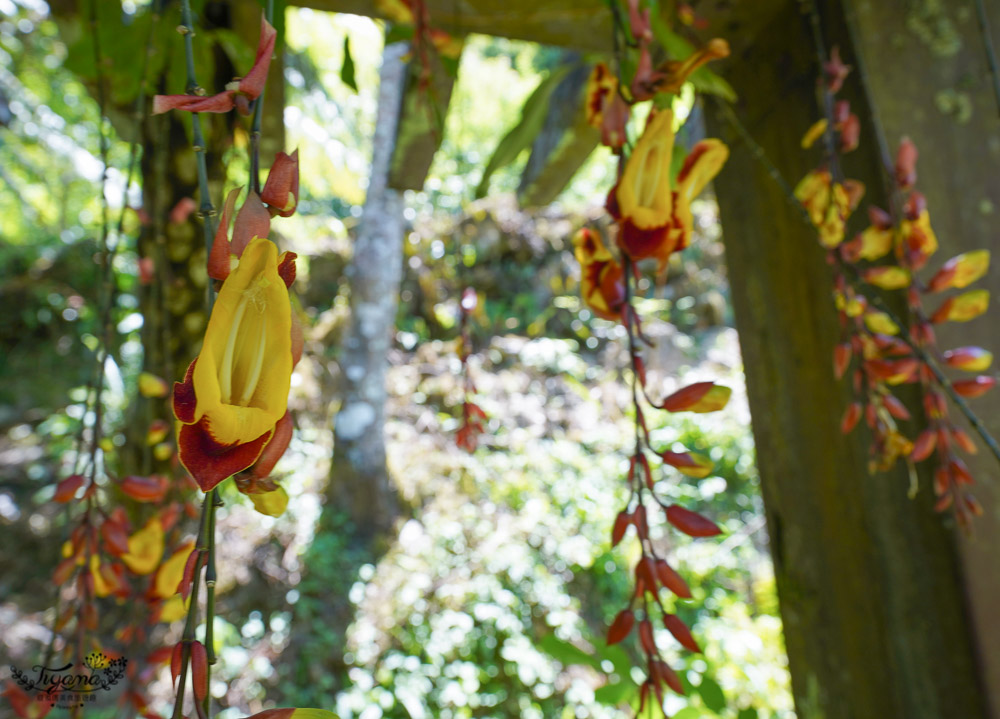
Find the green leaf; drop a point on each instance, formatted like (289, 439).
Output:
(617, 693)
(711, 694)
(567, 653)
(689, 713)
(399, 33)
(240, 50)
(748, 713)
(703, 79)
(524, 132)
(347, 69)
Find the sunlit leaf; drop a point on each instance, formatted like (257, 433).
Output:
(524, 132)
(347, 68)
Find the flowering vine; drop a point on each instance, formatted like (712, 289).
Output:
(651, 219)
(232, 404)
(884, 351)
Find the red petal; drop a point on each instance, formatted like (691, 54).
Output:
(187, 578)
(66, 489)
(184, 399)
(687, 397)
(199, 670)
(175, 661)
(210, 462)
(672, 580)
(253, 220)
(275, 448)
(286, 270)
(253, 83)
(281, 191)
(975, 387)
(115, 537)
(670, 677)
(622, 522)
(223, 102)
(924, 446)
(218, 260)
(691, 523)
(681, 632)
(646, 637)
(146, 489)
(621, 626)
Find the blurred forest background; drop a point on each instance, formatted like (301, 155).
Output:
(494, 594)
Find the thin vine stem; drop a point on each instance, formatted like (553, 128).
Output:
(991, 55)
(258, 112)
(206, 208)
(192, 616)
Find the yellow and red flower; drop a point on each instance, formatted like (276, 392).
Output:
(829, 204)
(602, 278)
(605, 108)
(655, 217)
(236, 391)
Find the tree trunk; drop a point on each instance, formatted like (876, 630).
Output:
(360, 480)
(869, 583)
(361, 503)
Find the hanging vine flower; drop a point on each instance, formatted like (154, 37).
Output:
(654, 216)
(239, 93)
(236, 391)
(602, 279)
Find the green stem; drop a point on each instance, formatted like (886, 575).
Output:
(206, 209)
(214, 502)
(192, 615)
(258, 112)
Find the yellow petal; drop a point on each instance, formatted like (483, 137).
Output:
(888, 278)
(145, 548)
(101, 587)
(644, 193)
(702, 468)
(919, 234)
(704, 163)
(273, 504)
(174, 608)
(243, 373)
(813, 134)
(969, 267)
(171, 571)
(964, 307)
(875, 243)
(880, 322)
(152, 386)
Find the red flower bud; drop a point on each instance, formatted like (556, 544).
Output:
(281, 191)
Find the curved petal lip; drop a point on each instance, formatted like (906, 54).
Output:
(210, 462)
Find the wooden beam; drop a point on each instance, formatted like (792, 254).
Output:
(582, 24)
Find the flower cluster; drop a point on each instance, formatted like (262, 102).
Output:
(887, 354)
